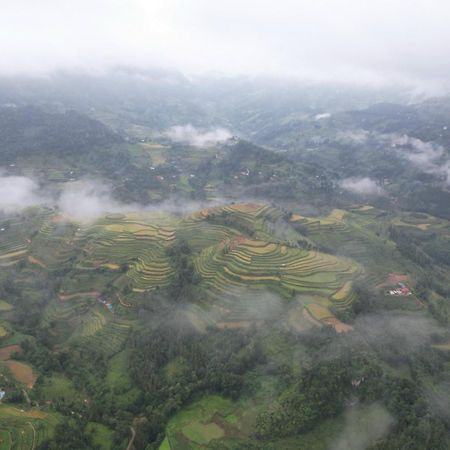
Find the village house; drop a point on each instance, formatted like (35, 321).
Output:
(400, 290)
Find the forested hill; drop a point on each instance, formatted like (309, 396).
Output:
(428, 121)
(29, 130)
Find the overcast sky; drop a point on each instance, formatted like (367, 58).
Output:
(353, 40)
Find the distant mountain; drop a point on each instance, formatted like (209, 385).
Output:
(30, 130)
(428, 121)
(156, 99)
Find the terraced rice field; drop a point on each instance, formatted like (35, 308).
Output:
(92, 324)
(52, 248)
(24, 429)
(13, 245)
(258, 263)
(113, 242)
(72, 310)
(234, 252)
(351, 234)
(109, 339)
(242, 216)
(343, 297)
(200, 234)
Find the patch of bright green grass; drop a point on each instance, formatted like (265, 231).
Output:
(165, 445)
(102, 435)
(119, 379)
(201, 433)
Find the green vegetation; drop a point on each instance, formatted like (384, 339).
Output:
(235, 325)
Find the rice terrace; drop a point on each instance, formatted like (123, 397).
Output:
(121, 256)
(242, 277)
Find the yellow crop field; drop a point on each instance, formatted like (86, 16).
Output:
(252, 277)
(111, 266)
(343, 292)
(13, 254)
(318, 312)
(130, 228)
(5, 306)
(296, 217)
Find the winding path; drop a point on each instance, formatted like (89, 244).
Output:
(133, 435)
(78, 294)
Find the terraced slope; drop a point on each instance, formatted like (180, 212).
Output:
(106, 265)
(256, 262)
(25, 429)
(353, 234)
(136, 246)
(13, 245)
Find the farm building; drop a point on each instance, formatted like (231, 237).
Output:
(401, 291)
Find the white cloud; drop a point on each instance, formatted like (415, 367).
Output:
(321, 116)
(353, 40)
(86, 200)
(18, 193)
(362, 186)
(190, 135)
(363, 427)
(355, 137)
(83, 200)
(426, 156)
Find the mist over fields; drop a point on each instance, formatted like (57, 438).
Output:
(225, 225)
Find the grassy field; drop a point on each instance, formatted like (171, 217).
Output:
(215, 419)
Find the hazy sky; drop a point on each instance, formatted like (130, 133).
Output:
(354, 40)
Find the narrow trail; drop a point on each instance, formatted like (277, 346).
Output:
(78, 294)
(123, 302)
(27, 398)
(133, 435)
(34, 260)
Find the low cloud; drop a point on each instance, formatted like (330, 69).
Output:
(361, 186)
(426, 156)
(87, 200)
(398, 334)
(395, 337)
(353, 137)
(18, 193)
(437, 396)
(83, 200)
(190, 135)
(320, 116)
(363, 428)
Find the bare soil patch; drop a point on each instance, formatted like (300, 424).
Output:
(6, 352)
(340, 327)
(22, 372)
